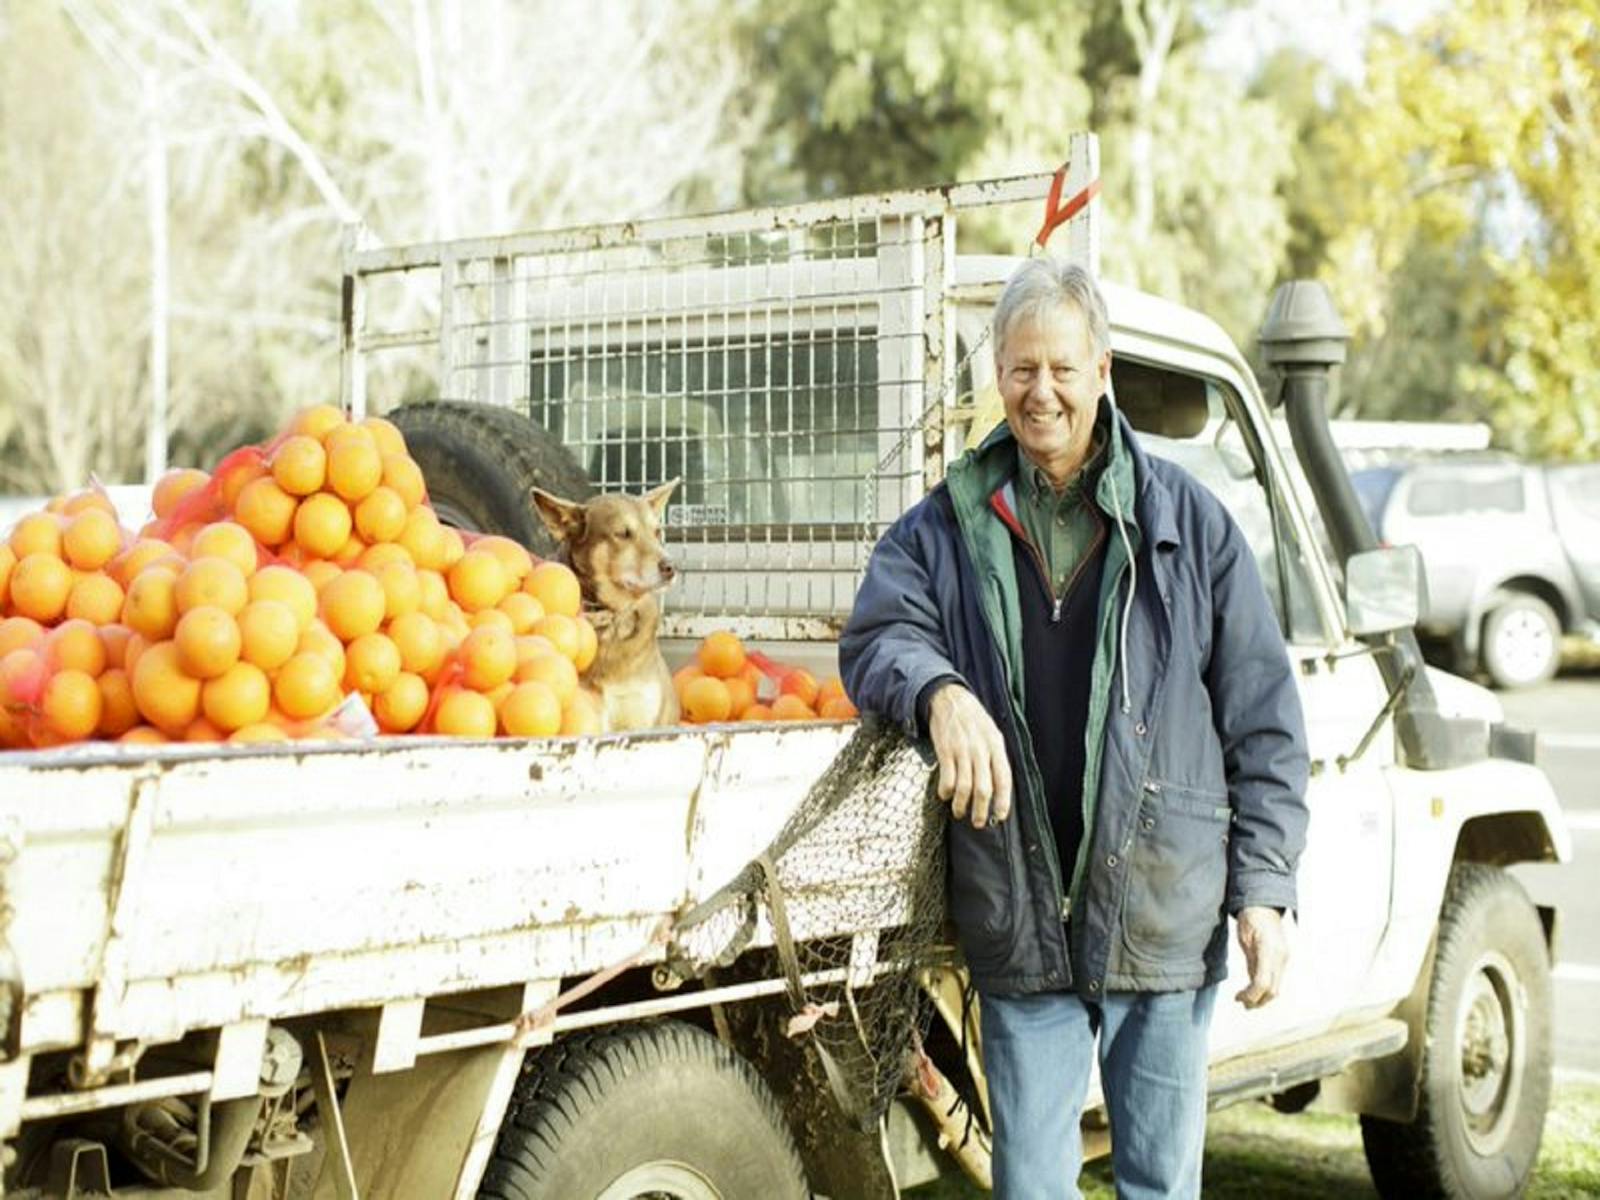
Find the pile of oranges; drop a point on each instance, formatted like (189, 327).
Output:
(263, 595)
(724, 683)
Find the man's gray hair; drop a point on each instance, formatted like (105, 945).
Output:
(1040, 284)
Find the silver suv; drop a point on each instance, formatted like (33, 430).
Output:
(1512, 552)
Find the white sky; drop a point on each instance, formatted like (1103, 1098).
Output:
(1336, 30)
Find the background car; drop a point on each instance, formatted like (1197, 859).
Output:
(1512, 553)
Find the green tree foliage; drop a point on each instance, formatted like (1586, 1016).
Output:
(1458, 215)
(864, 98)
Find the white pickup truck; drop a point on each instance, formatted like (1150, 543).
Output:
(418, 968)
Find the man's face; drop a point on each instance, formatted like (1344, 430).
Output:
(1051, 381)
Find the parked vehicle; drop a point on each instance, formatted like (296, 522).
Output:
(228, 959)
(1511, 550)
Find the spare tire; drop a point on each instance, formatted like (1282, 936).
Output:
(479, 462)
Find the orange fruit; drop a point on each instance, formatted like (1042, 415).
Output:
(722, 654)
(137, 645)
(317, 420)
(8, 559)
(115, 639)
(232, 482)
(740, 696)
(831, 688)
(87, 499)
(300, 465)
(684, 676)
(400, 706)
(70, 707)
(581, 716)
(423, 536)
(552, 670)
(144, 735)
(75, 645)
(118, 712)
(91, 539)
(40, 586)
(266, 511)
(489, 656)
(20, 633)
(151, 607)
(420, 643)
(402, 593)
(208, 641)
(531, 645)
(523, 610)
(322, 525)
(463, 712)
(385, 435)
(381, 517)
(801, 684)
(214, 581)
(402, 475)
(837, 708)
(240, 696)
(435, 593)
(562, 632)
(372, 664)
(347, 554)
(352, 605)
(554, 585)
(381, 554)
(531, 710)
(228, 540)
(454, 547)
(289, 588)
(269, 634)
(706, 699)
(789, 707)
(307, 686)
(757, 712)
(125, 567)
(36, 533)
(320, 572)
(167, 696)
(492, 616)
(202, 730)
(316, 638)
(95, 598)
(478, 581)
(588, 645)
(261, 731)
(355, 467)
(173, 486)
(513, 556)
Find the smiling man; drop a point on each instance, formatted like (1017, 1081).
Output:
(1081, 632)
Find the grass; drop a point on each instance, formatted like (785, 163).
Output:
(1254, 1153)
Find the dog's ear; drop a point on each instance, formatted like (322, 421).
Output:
(562, 518)
(657, 497)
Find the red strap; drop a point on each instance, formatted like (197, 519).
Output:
(1054, 216)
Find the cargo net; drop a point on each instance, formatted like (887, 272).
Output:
(852, 892)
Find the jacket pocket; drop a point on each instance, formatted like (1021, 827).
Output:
(1177, 874)
(983, 894)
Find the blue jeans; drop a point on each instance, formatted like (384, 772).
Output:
(1037, 1051)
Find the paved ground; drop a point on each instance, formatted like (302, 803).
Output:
(1566, 714)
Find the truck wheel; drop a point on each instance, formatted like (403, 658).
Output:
(1485, 1064)
(479, 462)
(1521, 641)
(661, 1111)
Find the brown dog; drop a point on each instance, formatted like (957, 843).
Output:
(613, 543)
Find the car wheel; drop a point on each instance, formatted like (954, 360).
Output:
(1521, 641)
(645, 1112)
(1486, 1061)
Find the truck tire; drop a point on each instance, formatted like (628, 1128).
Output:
(661, 1110)
(480, 461)
(1485, 1068)
(1521, 641)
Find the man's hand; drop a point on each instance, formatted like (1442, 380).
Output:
(1266, 953)
(973, 768)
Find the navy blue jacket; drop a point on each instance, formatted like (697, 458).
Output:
(1194, 792)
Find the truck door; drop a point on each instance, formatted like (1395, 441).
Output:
(1345, 873)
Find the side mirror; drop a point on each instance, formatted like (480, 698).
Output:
(1385, 590)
